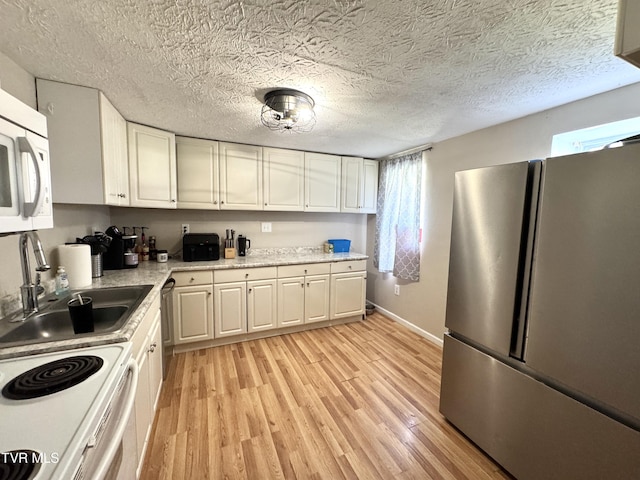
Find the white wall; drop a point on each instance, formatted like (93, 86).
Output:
(423, 303)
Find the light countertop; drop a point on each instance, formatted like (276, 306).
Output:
(153, 273)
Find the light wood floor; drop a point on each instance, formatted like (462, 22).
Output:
(356, 401)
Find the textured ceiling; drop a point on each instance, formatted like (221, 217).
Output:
(385, 75)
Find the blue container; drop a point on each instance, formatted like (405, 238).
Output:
(340, 245)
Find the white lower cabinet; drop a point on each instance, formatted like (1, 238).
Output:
(230, 300)
(210, 305)
(290, 301)
(316, 298)
(192, 313)
(261, 305)
(303, 294)
(192, 306)
(147, 350)
(348, 288)
(245, 300)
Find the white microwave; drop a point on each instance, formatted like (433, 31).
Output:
(25, 171)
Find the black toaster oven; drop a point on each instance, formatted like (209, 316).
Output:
(197, 247)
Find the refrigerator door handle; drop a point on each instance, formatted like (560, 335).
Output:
(534, 187)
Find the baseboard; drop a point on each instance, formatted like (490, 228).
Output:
(409, 325)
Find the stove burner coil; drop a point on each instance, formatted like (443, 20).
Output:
(52, 377)
(18, 465)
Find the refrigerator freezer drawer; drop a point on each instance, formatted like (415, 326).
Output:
(532, 430)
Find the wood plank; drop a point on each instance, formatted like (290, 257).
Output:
(354, 401)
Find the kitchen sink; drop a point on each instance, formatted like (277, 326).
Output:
(112, 307)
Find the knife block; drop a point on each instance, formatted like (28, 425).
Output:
(230, 252)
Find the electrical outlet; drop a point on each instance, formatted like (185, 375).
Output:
(266, 227)
(185, 228)
(396, 289)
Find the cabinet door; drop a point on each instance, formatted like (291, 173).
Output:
(192, 314)
(261, 305)
(322, 182)
(347, 294)
(152, 167)
(230, 308)
(155, 363)
(283, 172)
(142, 403)
(369, 197)
(240, 177)
(290, 301)
(316, 298)
(352, 188)
(115, 162)
(73, 125)
(198, 165)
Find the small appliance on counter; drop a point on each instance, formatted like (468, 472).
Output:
(198, 247)
(120, 252)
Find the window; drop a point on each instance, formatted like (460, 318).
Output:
(397, 240)
(593, 138)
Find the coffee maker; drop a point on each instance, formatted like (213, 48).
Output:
(120, 253)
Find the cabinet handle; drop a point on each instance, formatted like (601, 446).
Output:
(266, 204)
(302, 284)
(222, 202)
(192, 279)
(173, 200)
(152, 348)
(208, 294)
(305, 271)
(307, 284)
(349, 267)
(215, 202)
(246, 275)
(250, 290)
(124, 195)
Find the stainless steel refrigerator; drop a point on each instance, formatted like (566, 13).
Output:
(541, 362)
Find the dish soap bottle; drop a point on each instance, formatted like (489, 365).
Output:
(62, 282)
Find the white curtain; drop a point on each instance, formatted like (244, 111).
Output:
(397, 241)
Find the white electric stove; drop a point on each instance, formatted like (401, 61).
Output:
(61, 413)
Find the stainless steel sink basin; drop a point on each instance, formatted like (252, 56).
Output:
(56, 325)
(112, 307)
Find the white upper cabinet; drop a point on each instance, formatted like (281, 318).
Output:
(322, 182)
(240, 177)
(87, 140)
(352, 181)
(369, 195)
(115, 160)
(359, 185)
(152, 167)
(198, 166)
(283, 172)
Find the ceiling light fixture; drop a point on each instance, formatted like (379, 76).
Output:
(287, 110)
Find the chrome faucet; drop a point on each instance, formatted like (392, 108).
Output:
(30, 290)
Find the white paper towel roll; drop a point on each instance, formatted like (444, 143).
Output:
(76, 260)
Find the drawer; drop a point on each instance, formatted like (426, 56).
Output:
(140, 335)
(195, 277)
(304, 269)
(240, 274)
(348, 266)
